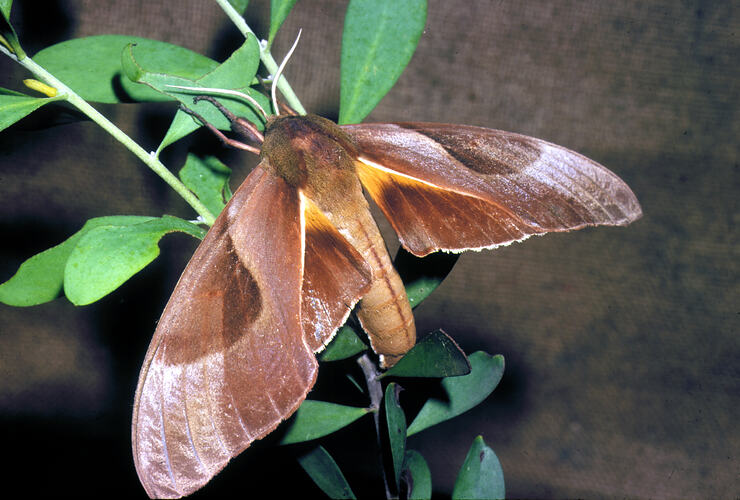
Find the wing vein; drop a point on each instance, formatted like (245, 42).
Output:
(204, 366)
(190, 434)
(163, 435)
(564, 168)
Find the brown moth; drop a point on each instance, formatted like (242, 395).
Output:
(296, 248)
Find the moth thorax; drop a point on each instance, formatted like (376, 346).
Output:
(311, 153)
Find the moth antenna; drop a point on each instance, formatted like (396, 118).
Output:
(279, 72)
(234, 93)
(266, 84)
(238, 124)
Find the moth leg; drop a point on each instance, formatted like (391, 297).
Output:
(239, 125)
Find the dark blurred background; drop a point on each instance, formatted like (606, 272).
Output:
(621, 344)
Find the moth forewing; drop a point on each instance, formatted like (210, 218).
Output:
(455, 187)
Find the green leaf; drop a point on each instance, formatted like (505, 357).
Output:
(236, 73)
(183, 123)
(40, 278)
(344, 345)
(238, 70)
(421, 275)
(208, 178)
(106, 256)
(379, 38)
(279, 10)
(417, 476)
(239, 5)
(435, 355)
(92, 66)
(322, 468)
(481, 476)
(315, 419)
(5, 6)
(396, 421)
(355, 383)
(461, 393)
(4, 91)
(15, 107)
(8, 36)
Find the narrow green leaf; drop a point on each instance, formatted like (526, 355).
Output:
(355, 383)
(344, 345)
(461, 393)
(4, 91)
(315, 419)
(417, 476)
(15, 107)
(8, 35)
(435, 355)
(396, 421)
(239, 5)
(106, 256)
(5, 6)
(92, 66)
(279, 10)
(208, 178)
(40, 278)
(322, 468)
(481, 475)
(421, 275)
(379, 38)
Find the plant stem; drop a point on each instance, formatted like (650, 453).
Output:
(151, 161)
(265, 56)
(375, 390)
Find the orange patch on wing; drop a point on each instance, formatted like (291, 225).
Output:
(428, 218)
(335, 277)
(316, 221)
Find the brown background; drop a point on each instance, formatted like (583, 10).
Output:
(621, 343)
